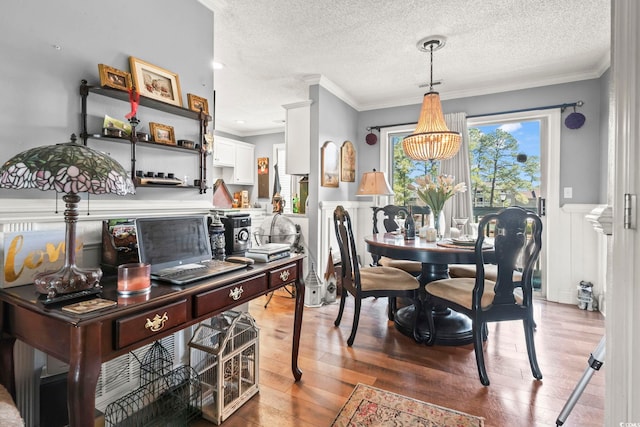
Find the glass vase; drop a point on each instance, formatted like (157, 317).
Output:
(439, 224)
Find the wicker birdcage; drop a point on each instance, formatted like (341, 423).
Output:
(225, 354)
(166, 397)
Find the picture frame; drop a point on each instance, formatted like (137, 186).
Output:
(330, 167)
(347, 162)
(162, 134)
(154, 82)
(114, 78)
(196, 102)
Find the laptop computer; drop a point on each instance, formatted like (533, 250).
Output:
(178, 249)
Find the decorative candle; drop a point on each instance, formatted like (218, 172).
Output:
(431, 234)
(134, 278)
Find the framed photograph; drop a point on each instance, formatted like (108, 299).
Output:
(330, 167)
(197, 103)
(162, 134)
(112, 77)
(347, 162)
(155, 82)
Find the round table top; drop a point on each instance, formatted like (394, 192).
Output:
(444, 252)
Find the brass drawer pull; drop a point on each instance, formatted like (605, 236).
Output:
(157, 323)
(236, 293)
(284, 275)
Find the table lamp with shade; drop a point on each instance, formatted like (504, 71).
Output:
(68, 168)
(374, 184)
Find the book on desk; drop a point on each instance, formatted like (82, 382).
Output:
(269, 252)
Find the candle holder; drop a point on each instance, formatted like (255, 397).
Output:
(134, 278)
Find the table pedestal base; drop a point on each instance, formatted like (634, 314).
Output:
(453, 328)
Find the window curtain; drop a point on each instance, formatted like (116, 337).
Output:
(460, 205)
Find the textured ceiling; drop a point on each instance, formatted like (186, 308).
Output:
(365, 51)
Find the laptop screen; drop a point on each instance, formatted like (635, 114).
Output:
(166, 242)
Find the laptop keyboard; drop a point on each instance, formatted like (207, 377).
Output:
(184, 270)
(194, 271)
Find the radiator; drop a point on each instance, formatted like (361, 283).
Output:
(117, 377)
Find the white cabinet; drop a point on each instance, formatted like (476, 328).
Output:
(297, 137)
(224, 152)
(237, 160)
(245, 164)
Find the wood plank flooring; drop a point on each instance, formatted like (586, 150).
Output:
(446, 376)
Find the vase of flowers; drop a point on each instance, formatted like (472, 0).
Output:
(435, 192)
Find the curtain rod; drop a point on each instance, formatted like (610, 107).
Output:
(548, 107)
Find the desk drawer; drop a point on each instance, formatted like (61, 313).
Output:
(283, 275)
(230, 294)
(142, 326)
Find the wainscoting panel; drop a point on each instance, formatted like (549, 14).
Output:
(574, 255)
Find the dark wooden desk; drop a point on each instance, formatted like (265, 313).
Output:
(453, 328)
(86, 341)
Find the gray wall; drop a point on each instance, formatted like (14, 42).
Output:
(583, 152)
(40, 102)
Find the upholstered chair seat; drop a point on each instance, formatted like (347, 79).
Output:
(386, 278)
(460, 291)
(411, 267)
(9, 414)
(490, 272)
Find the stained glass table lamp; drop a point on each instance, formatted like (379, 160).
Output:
(68, 168)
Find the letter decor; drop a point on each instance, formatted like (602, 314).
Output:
(27, 253)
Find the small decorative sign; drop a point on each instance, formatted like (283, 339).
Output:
(263, 177)
(347, 162)
(27, 253)
(330, 168)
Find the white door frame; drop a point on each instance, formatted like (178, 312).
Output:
(550, 130)
(622, 379)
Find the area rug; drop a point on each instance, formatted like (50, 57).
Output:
(370, 406)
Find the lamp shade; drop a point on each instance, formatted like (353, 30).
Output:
(431, 140)
(66, 168)
(374, 184)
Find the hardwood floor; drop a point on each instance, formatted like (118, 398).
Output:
(446, 376)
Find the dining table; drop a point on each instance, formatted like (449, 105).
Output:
(452, 328)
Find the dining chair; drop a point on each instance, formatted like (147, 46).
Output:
(367, 282)
(389, 215)
(518, 232)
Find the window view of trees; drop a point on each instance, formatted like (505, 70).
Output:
(501, 173)
(504, 161)
(405, 172)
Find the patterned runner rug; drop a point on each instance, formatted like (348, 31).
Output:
(370, 406)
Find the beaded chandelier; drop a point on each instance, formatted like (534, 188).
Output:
(432, 139)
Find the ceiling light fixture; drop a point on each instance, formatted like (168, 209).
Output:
(432, 139)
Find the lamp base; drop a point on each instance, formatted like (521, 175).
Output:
(68, 279)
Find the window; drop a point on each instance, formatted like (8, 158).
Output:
(405, 170)
(505, 164)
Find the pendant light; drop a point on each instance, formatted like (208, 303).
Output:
(432, 139)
